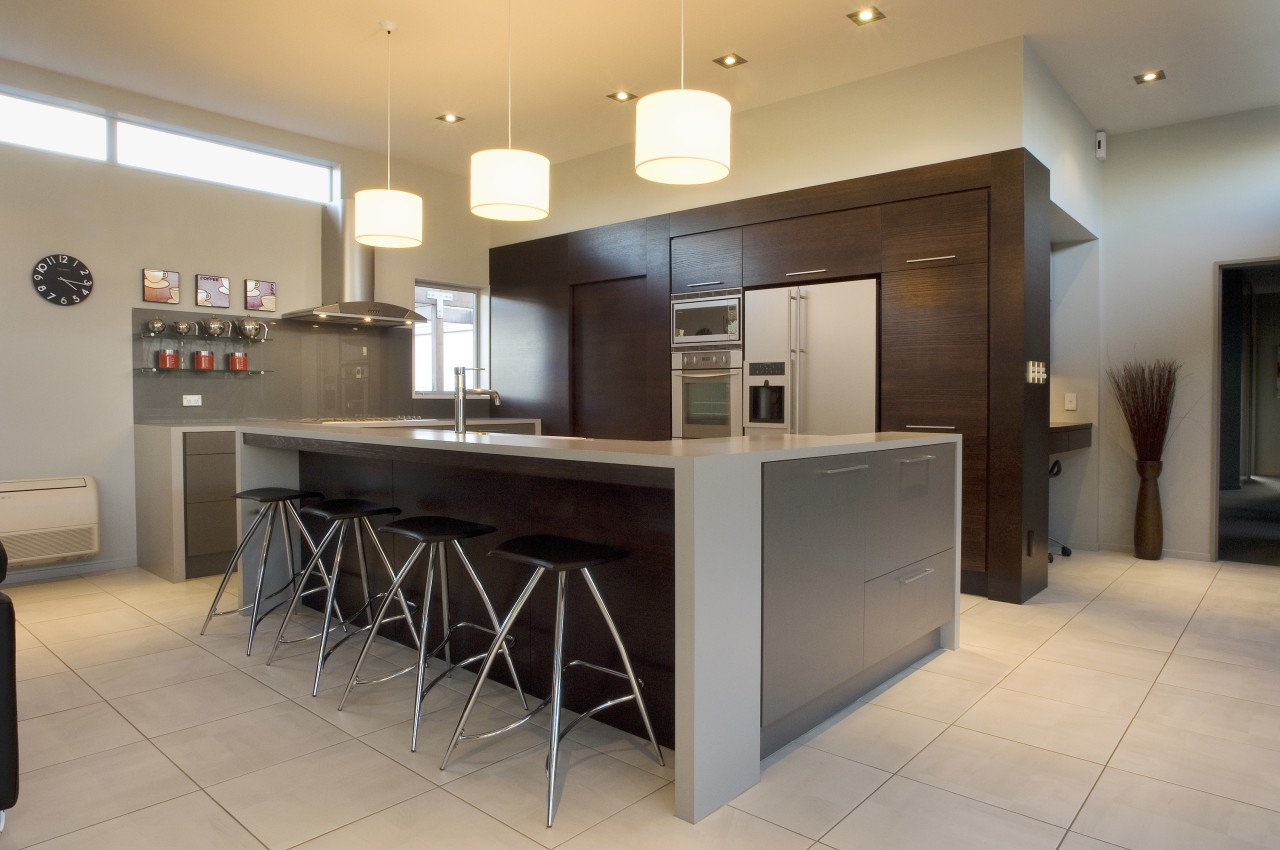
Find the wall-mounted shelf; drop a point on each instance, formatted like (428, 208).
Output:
(152, 370)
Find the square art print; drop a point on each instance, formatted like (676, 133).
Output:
(260, 295)
(213, 291)
(161, 287)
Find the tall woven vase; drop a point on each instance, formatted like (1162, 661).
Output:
(1148, 522)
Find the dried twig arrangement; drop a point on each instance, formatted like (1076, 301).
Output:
(1145, 392)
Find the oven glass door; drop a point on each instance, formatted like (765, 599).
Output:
(705, 321)
(707, 404)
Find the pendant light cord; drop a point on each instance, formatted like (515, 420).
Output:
(389, 109)
(508, 74)
(682, 45)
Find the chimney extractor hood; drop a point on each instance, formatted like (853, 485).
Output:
(346, 280)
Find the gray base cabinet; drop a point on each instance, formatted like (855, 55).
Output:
(858, 575)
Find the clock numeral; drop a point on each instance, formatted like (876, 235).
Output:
(41, 288)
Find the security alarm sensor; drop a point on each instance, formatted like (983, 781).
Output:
(1100, 146)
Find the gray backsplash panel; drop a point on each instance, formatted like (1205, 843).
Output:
(307, 372)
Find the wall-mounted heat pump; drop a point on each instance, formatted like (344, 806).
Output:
(43, 520)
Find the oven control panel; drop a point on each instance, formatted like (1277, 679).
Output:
(706, 360)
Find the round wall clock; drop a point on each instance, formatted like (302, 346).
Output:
(62, 279)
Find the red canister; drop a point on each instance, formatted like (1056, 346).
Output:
(167, 358)
(202, 360)
(237, 361)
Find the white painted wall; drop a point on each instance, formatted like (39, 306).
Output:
(65, 372)
(963, 105)
(1177, 201)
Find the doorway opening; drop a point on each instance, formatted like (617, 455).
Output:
(1249, 424)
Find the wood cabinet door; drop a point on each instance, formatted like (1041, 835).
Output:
(935, 231)
(706, 261)
(829, 246)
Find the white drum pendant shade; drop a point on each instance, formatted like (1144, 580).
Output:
(388, 218)
(510, 185)
(682, 136)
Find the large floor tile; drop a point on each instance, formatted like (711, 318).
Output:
(937, 697)
(1250, 653)
(1244, 721)
(65, 797)
(977, 664)
(876, 736)
(148, 672)
(1028, 780)
(986, 633)
(1076, 841)
(103, 649)
(907, 815)
(1110, 627)
(126, 578)
(35, 592)
(631, 749)
(36, 662)
(66, 735)
(1145, 814)
(89, 625)
(1207, 763)
(595, 787)
(72, 606)
(1121, 659)
(1109, 692)
(23, 639)
(191, 822)
(294, 674)
(1217, 677)
(1073, 730)
(809, 791)
(651, 823)
(49, 694)
(306, 797)
(435, 820)
(224, 749)
(193, 703)
(376, 707)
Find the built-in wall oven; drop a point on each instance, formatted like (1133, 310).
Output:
(707, 319)
(706, 393)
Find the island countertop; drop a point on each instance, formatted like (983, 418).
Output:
(710, 519)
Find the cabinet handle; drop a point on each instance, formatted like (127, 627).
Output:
(841, 469)
(921, 459)
(707, 283)
(917, 576)
(809, 271)
(932, 259)
(928, 427)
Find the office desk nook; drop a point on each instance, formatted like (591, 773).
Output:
(770, 580)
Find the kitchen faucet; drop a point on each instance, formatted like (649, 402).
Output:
(460, 397)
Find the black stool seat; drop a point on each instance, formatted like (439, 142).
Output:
(332, 510)
(551, 552)
(436, 529)
(277, 494)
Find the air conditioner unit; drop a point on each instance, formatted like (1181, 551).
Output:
(43, 520)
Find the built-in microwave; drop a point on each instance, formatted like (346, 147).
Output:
(707, 319)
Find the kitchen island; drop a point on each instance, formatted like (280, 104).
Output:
(692, 513)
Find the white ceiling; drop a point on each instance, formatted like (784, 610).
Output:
(318, 67)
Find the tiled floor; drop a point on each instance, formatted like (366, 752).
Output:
(1133, 704)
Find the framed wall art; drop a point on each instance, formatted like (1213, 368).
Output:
(213, 291)
(161, 287)
(260, 295)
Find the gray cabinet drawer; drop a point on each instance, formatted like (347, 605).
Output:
(908, 603)
(209, 478)
(913, 513)
(210, 442)
(211, 527)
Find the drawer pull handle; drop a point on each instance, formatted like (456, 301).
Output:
(921, 459)
(917, 576)
(928, 427)
(841, 469)
(808, 271)
(708, 283)
(933, 259)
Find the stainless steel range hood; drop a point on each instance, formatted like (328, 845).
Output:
(346, 279)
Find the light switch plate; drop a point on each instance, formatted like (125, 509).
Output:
(192, 400)
(1070, 402)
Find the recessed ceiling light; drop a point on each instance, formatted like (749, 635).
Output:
(1149, 77)
(729, 60)
(450, 118)
(869, 15)
(621, 96)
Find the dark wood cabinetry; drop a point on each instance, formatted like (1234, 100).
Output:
(812, 248)
(703, 261)
(940, 230)
(208, 495)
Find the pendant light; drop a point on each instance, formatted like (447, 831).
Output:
(509, 184)
(682, 135)
(388, 218)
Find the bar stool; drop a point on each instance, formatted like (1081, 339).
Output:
(344, 516)
(277, 502)
(560, 555)
(433, 533)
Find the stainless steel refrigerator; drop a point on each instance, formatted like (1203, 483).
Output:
(809, 359)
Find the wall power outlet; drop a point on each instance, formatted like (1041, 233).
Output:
(192, 400)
